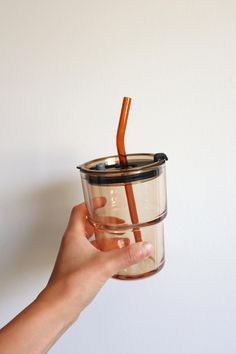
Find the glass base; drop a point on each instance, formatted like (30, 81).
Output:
(139, 276)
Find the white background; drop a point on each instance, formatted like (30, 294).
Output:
(64, 68)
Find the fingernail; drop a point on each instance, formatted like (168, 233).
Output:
(147, 248)
(121, 243)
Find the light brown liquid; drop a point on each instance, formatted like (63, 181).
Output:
(124, 164)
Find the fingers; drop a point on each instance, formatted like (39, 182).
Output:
(79, 225)
(108, 244)
(99, 202)
(109, 220)
(119, 259)
(78, 218)
(89, 229)
(105, 220)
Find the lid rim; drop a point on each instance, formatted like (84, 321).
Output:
(151, 165)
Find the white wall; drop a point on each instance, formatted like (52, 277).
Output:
(64, 68)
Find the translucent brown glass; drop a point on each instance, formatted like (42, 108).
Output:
(105, 178)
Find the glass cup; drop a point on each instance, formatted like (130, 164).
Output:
(105, 178)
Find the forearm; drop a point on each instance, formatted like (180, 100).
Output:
(36, 328)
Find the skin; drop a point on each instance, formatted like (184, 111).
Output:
(79, 273)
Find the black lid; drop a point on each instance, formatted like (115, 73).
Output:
(108, 170)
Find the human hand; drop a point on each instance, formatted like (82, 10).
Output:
(79, 272)
(81, 269)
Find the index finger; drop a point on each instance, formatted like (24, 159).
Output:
(79, 213)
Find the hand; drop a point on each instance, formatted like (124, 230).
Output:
(81, 268)
(79, 272)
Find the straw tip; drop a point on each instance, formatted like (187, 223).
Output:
(127, 98)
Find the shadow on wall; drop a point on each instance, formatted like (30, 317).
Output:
(33, 242)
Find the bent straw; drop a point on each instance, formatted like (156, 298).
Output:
(120, 143)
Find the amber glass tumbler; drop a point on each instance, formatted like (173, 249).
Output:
(105, 178)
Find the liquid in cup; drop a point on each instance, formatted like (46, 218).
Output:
(105, 178)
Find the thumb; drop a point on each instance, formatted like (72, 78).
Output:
(125, 257)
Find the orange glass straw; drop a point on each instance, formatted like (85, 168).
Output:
(120, 143)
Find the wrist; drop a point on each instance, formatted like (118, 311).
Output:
(58, 298)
